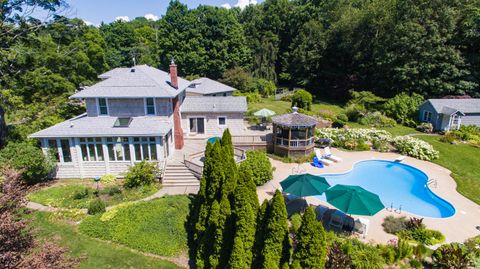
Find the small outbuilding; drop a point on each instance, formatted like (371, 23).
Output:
(450, 114)
(293, 134)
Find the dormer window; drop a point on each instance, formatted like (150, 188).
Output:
(102, 106)
(149, 106)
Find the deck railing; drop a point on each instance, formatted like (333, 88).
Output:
(197, 169)
(294, 143)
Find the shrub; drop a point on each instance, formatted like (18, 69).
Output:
(403, 250)
(340, 121)
(415, 148)
(416, 264)
(258, 163)
(266, 87)
(388, 254)
(112, 190)
(337, 258)
(366, 99)
(451, 256)
(80, 194)
(377, 119)
(367, 258)
(380, 145)
(354, 112)
(96, 206)
(108, 179)
(302, 99)
(415, 223)
(239, 79)
(423, 236)
(142, 173)
(403, 107)
(35, 166)
(296, 222)
(287, 97)
(394, 225)
(425, 127)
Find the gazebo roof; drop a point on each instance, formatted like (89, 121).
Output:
(294, 120)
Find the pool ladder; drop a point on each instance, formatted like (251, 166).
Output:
(432, 182)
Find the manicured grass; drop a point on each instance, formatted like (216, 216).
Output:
(64, 195)
(97, 254)
(281, 107)
(396, 131)
(155, 226)
(464, 162)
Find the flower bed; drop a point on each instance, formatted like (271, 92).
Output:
(365, 139)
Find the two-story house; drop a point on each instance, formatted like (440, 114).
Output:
(132, 114)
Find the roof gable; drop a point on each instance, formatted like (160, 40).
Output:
(208, 86)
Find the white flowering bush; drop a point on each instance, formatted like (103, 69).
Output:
(364, 139)
(415, 147)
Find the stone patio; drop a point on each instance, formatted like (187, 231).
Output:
(457, 228)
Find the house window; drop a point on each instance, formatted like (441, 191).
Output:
(224, 94)
(102, 106)
(118, 149)
(145, 148)
(60, 149)
(92, 149)
(427, 116)
(149, 106)
(197, 125)
(222, 121)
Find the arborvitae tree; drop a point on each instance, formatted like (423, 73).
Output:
(260, 234)
(246, 205)
(221, 244)
(230, 165)
(206, 242)
(201, 208)
(275, 230)
(311, 249)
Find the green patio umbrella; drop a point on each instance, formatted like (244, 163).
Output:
(354, 200)
(264, 113)
(304, 185)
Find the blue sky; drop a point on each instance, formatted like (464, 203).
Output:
(96, 11)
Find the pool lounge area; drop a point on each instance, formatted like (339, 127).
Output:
(441, 206)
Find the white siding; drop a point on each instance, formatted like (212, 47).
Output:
(234, 123)
(471, 119)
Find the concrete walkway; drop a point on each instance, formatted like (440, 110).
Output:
(457, 228)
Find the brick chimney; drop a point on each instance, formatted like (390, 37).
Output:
(177, 118)
(173, 74)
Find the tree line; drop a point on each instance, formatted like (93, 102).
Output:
(327, 47)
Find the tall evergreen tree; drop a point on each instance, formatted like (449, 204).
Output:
(311, 250)
(275, 231)
(260, 234)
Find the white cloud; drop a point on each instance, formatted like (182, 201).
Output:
(227, 6)
(243, 3)
(151, 17)
(122, 18)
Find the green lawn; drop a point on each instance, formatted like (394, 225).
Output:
(281, 107)
(97, 254)
(63, 195)
(156, 226)
(464, 162)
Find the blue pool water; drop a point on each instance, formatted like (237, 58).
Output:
(396, 183)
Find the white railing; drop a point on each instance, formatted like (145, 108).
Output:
(197, 169)
(296, 143)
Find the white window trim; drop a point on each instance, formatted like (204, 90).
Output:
(204, 124)
(218, 121)
(115, 157)
(60, 150)
(149, 146)
(87, 143)
(145, 106)
(98, 107)
(426, 115)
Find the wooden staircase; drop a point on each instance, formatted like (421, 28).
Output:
(178, 175)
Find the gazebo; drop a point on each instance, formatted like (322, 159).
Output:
(293, 134)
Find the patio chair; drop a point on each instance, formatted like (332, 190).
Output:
(316, 163)
(298, 205)
(337, 219)
(349, 224)
(321, 159)
(361, 226)
(329, 155)
(320, 212)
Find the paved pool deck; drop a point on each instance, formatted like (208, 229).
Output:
(457, 228)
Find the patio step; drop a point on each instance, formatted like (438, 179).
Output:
(177, 174)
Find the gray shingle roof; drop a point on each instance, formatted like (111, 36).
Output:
(215, 104)
(84, 126)
(294, 119)
(146, 81)
(462, 105)
(208, 86)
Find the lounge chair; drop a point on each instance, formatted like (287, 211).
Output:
(320, 212)
(321, 158)
(298, 205)
(400, 159)
(316, 163)
(336, 221)
(349, 224)
(329, 155)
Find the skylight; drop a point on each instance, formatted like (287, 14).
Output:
(122, 122)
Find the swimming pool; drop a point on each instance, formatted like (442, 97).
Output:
(397, 183)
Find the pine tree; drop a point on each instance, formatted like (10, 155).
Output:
(311, 249)
(275, 231)
(245, 221)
